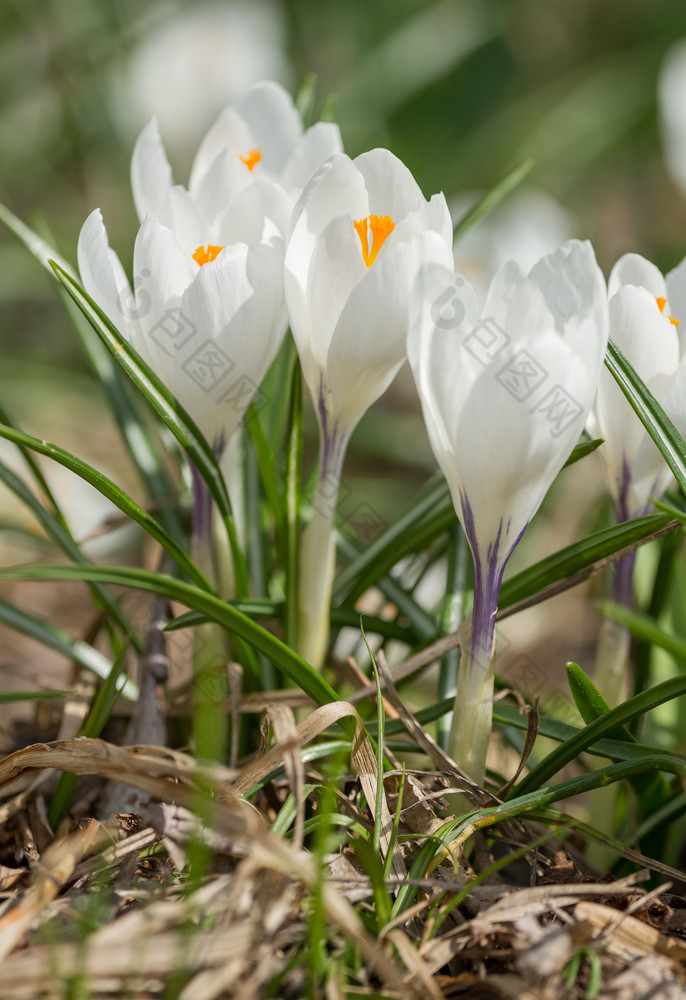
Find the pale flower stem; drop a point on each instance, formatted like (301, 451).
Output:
(318, 555)
(473, 714)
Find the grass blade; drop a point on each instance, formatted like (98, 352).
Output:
(169, 410)
(661, 429)
(216, 610)
(572, 564)
(114, 494)
(512, 179)
(55, 530)
(586, 737)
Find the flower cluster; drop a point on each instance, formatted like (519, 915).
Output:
(279, 227)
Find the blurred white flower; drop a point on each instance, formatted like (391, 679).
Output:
(252, 162)
(646, 314)
(193, 61)
(359, 234)
(671, 95)
(505, 393)
(524, 227)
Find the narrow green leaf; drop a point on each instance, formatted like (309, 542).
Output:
(370, 860)
(169, 410)
(520, 805)
(619, 716)
(590, 701)
(293, 479)
(267, 465)
(512, 179)
(9, 697)
(264, 608)
(380, 720)
(661, 429)
(581, 450)
(59, 640)
(114, 494)
(55, 530)
(618, 750)
(134, 433)
(412, 531)
(644, 627)
(300, 672)
(593, 551)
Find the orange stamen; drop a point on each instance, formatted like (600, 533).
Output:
(661, 303)
(203, 255)
(381, 227)
(251, 158)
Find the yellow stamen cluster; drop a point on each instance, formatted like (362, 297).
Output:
(661, 303)
(251, 158)
(203, 255)
(381, 227)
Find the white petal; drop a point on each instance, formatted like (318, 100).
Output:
(570, 280)
(245, 218)
(649, 342)
(516, 303)
(575, 292)
(233, 304)
(443, 315)
(180, 214)
(503, 407)
(369, 342)
(151, 175)
(432, 215)
(274, 121)
(218, 186)
(511, 449)
(391, 188)
(162, 272)
(336, 189)
(336, 267)
(230, 133)
(102, 275)
(632, 269)
(319, 143)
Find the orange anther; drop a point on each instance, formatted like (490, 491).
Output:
(203, 255)
(661, 303)
(381, 227)
(251, 158)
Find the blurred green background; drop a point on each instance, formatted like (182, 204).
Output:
(460, 90)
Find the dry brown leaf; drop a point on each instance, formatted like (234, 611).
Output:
(49, 875)
(286, 735)
(169, 775)
(629, 937)
(362, 756)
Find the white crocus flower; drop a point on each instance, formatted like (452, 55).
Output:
(209, 323)
(258, 142)
(359, 234)
(645, 315)
(505, 397)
